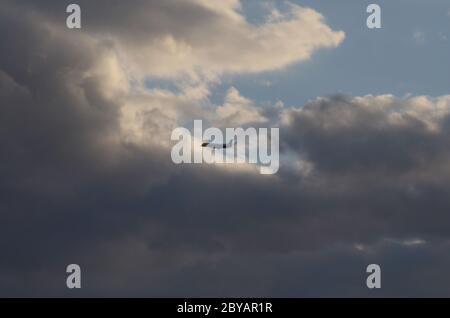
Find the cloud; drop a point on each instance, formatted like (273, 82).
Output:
(238, 111)
(86, 174)
(192, 38)
(373, 134)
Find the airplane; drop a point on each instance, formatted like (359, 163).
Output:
(217, 146)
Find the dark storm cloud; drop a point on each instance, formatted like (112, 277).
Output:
(340, 135)
(73, 191)
(58, 161)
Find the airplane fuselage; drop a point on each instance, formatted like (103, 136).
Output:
(215, 146)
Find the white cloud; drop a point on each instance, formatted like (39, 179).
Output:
(395, 111)
(191, 43)
(414, 242)
(198, 39)
(238, 111)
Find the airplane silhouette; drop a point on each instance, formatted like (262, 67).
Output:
(217, 146)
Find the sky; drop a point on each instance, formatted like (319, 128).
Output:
(86, 117)
(390, 60)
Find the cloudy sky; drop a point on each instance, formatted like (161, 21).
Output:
(86, 175)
